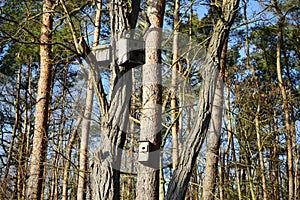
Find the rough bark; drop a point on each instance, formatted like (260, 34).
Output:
(182, 174)
(148, 175)
(41, 115)
(213, 138)
(114, 117)
(106, 160)
(213, 142)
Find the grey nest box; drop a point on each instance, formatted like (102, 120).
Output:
(103, 54)
(130, 52)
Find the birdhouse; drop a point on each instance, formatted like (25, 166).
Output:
(144, 151)
(130, 52)
(103, 54)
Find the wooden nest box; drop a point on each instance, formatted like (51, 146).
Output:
(144, 152)
(103, 54)
(130, 52)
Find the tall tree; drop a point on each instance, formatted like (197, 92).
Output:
(214, 133)
(148, 176)
(178, 184)
(115, 115)
(83, 158)
(290, 168)
(43, 98)
(175, 68)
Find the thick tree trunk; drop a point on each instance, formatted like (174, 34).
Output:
(114, 118)
(148, 175)
(107, 159)
(182, 174)
(213, 138)
(41, 115)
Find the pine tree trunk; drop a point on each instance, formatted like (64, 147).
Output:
(41, 114)
(148, 175)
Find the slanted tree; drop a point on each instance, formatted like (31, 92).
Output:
(182, 174)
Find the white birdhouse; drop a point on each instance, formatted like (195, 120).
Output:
(103, 54)
(144, 151)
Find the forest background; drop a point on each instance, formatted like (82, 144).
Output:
(218, 104)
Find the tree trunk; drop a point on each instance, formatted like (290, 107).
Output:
(260, 153)
(23, 151)
(275, 157)
(286, 110)
(213, 139)
(179, 182)
(148, 175)
(83, 158)
(106, 160)
(28, 133)
(43, 97)
(231, 141)
(85, 129)
(174, 104)
(114, 118)
(68, 159)
(213, 142)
